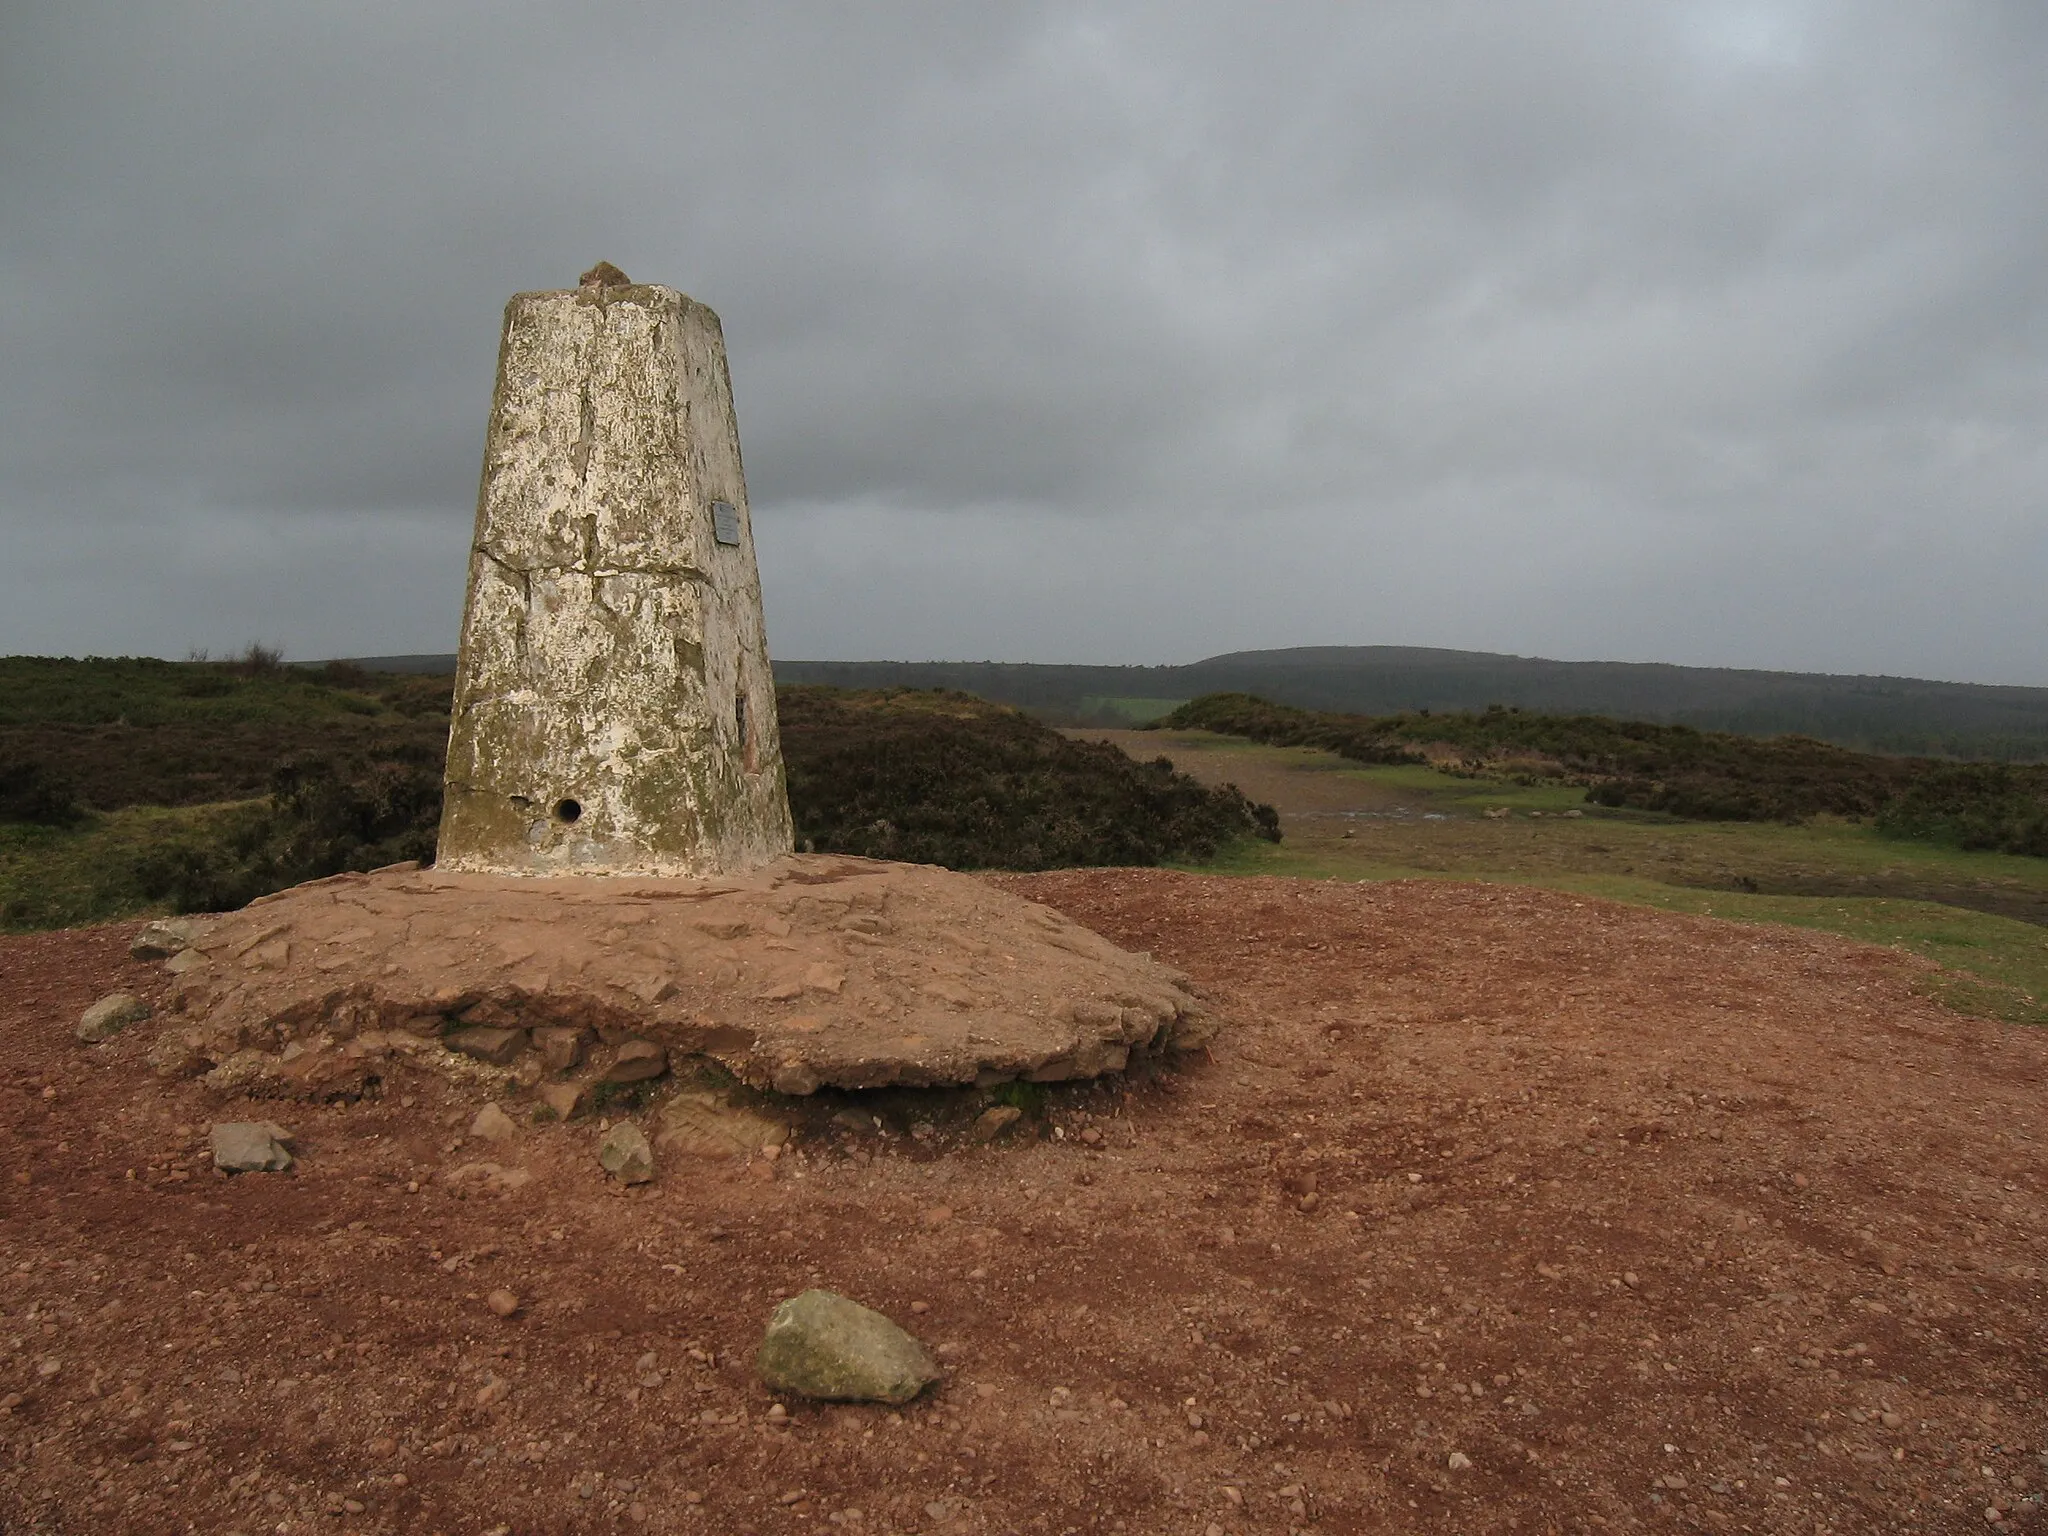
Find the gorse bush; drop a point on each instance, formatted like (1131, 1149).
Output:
(31, 793)
(318, 821)
(1973, 805)
(933, 777)
(137, 731)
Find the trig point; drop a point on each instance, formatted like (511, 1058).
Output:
(614, 712)
(615, 721)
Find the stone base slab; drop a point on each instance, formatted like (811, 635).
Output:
(813, 971)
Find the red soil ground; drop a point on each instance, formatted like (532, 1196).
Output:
(1495, 1210)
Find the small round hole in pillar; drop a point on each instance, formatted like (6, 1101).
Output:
(567, 811)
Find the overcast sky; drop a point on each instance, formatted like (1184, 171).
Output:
(1685, 331)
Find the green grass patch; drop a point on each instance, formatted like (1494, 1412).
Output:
(1133, 711)
(1017, 1094)
(65, 877)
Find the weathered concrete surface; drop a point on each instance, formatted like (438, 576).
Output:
(810, 972)
(613, 706)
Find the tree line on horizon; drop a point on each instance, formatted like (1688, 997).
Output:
(1904, 716)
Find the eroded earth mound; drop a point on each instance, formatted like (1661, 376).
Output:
(812, 972)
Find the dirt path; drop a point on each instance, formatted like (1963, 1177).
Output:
(1499, 1210)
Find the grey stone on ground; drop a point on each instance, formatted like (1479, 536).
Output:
(822, 1345)
(243, 1146)
(164, 938)
(109, 1016)
(625, 1154)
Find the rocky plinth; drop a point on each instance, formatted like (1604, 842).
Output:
(813, 971)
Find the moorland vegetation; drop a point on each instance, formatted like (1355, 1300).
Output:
(199, 786)
(1674, 769)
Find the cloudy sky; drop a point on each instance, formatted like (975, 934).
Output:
(1691, 331)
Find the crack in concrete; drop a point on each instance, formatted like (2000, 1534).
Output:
(589, 567)
(586, 436)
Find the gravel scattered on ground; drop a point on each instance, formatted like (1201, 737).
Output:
(1655, 1221)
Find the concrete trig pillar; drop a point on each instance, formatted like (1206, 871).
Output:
(614, 712)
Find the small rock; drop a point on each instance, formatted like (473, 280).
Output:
(823, 1345)
(561, 1049)
(1459, 1462)
(109, 1016)
(991, 1123)
(250, 1147)
(795, 1078)
(492, 1124)
(567, 1100)
(625, 1154)
(492, 1177)
(164, 938)
(702, 1125)
(175, 1055)
(502, 1302)
(185, 960)
(637, 1061)
(496, 1046)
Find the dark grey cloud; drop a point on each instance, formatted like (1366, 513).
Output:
(1712, 333)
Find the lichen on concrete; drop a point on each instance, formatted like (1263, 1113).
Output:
(614, 710)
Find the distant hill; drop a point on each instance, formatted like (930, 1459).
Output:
(1875, 714)
(421, 666)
